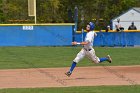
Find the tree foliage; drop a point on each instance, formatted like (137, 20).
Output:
(62, 11)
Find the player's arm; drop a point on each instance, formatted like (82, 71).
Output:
(80, 43)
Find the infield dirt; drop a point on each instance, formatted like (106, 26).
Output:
(82, 76)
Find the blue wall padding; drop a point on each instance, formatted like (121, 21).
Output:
(114, 38)
(58, 35)
(61, 35)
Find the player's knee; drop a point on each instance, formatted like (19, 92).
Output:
(96, 62)
(76, 61)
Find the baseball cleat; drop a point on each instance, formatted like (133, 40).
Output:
(68, 73)
(109, 58)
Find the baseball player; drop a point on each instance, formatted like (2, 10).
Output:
(87, 49)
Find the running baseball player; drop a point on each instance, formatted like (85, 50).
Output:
(87, 49)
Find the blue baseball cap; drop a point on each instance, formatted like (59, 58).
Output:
(92, 25)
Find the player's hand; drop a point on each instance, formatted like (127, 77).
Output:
(74, 43)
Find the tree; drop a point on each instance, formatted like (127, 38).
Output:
(56, 11)
(47, 11)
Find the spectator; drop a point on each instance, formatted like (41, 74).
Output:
(107, 28)
(132, 27)
(118, 26)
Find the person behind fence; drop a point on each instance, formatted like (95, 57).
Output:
(118, 26)
(132, 27)
(107, 28)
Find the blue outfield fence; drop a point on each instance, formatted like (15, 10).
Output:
(114, 39)
(36, 35)
(60, 35)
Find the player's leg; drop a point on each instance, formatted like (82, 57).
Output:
(107, 58)
(95, 59)
(91, 55)
(78, 58)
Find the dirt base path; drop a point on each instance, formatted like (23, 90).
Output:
(82, 76)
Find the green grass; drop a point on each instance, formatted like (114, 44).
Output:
(44, 57)
(97, 89)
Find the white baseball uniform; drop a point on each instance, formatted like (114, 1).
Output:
(88, 50)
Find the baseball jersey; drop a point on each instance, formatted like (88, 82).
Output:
(89, 38)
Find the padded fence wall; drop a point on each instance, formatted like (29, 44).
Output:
(44, 35)
(114, 39)
(60, 35)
